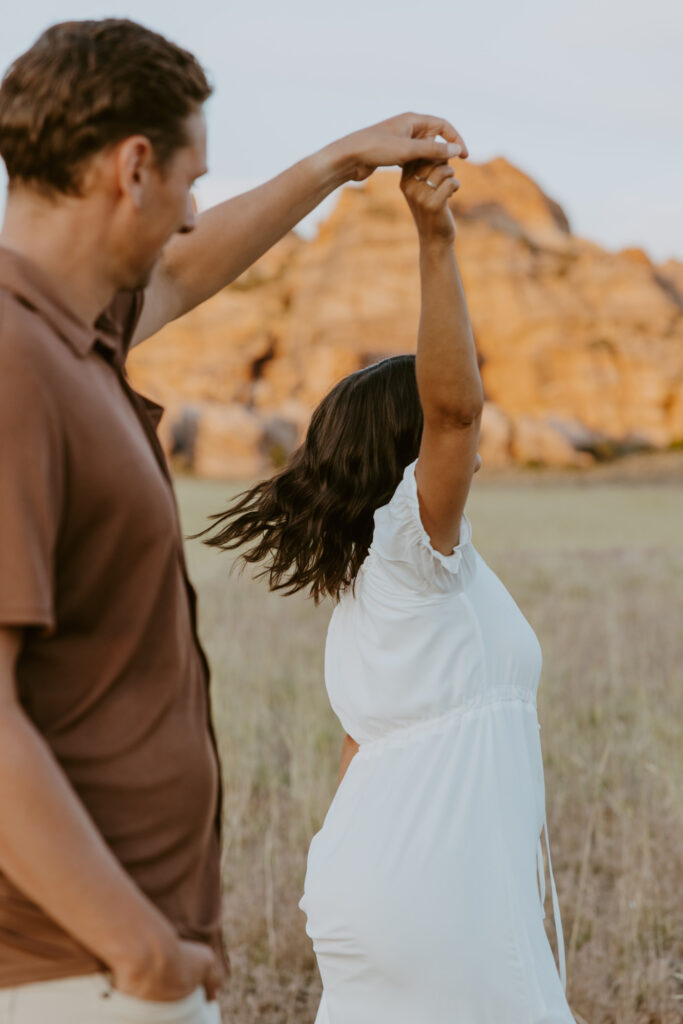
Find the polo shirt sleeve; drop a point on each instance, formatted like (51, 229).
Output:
(31, 492)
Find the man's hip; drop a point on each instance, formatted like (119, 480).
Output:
(91, 999)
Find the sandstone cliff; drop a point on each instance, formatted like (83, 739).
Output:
(581, 350)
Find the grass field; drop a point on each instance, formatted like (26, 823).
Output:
(596, 568)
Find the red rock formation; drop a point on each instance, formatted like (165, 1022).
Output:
(580, 349)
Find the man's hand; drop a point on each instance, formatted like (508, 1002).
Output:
(185, 967)
(52, 851)
(395, 142)
(229, 237)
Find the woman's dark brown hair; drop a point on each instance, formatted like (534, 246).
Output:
(311, 525)
(86, 85)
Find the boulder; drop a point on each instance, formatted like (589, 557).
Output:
(229, 442)
(536, 442)
(584, 347)
(495, 439)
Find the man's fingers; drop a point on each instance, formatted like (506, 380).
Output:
(213, 980)
(426, 126)
(430, 149)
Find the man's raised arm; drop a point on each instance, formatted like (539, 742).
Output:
(229, 237)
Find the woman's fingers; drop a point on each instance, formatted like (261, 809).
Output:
(436, 198)
(434, 174)
(421, 168)
(430, 186)
(427, 174)
(443, 193)
(427, 189)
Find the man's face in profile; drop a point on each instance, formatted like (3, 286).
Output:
(168, 206)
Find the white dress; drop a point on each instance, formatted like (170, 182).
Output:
(425, 887)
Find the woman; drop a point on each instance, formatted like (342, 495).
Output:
(421, 893)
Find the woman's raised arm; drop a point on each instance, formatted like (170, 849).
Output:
(448, 379)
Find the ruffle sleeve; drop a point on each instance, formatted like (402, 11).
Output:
(401, 546)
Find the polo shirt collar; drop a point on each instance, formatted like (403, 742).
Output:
(32, 286)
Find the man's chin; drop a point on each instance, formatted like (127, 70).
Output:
(138, 282)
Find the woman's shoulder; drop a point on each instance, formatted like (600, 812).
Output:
(401, 550)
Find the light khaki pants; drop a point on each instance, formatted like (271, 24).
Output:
(92, 1000)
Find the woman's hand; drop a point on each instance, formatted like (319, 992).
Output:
(428, 188)
(349, 751)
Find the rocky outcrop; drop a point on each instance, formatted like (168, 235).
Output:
(581, 350)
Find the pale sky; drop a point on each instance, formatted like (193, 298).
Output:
(585, 96)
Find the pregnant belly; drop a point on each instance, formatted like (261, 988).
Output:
(418, 855)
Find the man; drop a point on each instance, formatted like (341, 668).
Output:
(109, 779)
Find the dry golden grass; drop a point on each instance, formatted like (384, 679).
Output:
(597, 570)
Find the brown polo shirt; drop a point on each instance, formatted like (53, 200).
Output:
(91, 564)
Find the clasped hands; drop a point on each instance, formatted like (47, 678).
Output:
(422, 145)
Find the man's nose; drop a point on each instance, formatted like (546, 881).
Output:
(190, 215)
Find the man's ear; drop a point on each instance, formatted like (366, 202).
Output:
(135, 164)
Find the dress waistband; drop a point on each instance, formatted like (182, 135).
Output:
(428, 726)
